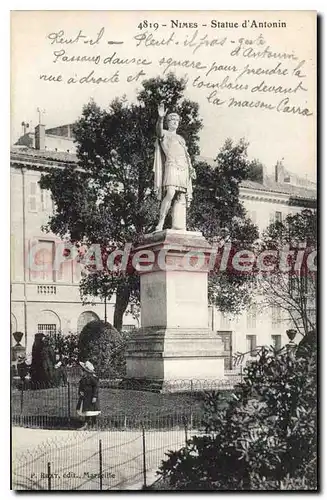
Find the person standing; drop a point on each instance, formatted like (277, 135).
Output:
(22, 367)
(60, 372)
(88, 405)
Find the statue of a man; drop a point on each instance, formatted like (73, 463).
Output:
(173, 171)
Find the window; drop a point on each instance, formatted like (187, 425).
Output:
(251, 344)
(48, 322)
(278, 217)
(226, 338)
(76, 271)
(64, 271)
(128, 328)
(252, 317)
(47, 328)
(43, 260)
(299, 285)
(44, 200)
(275, 316)
(85, 318)
(276, 341)
(32, 197)
(228, 363)
(224, 321)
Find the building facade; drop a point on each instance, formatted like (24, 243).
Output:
(47, 300)
(266, 202)
(43, 299)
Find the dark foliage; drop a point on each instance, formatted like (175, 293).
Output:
(293, 291)
(104, 346)
(108, 198)
(43, 361)
(266, 438)
(65, 347)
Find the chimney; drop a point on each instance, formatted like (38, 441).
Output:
(257, 172)
(40, 137)
(279, 172)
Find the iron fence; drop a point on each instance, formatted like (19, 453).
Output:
(93, 460)
(49, 406)
(125, 447)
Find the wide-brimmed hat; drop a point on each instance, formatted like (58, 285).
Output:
(87, 366)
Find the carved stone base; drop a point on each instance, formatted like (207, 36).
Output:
(174, 342)
(175, 354)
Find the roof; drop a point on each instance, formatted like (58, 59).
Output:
(274, 187)
(30, 154)
(269, 184)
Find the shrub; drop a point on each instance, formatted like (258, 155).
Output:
(105, 347)
(64, 346)
(265, 439)
(43, 361)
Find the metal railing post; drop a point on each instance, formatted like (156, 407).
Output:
(185, 430)
(144, 458)
(22, 398)
(100, 463)
(191, 406)
(49, 476)
(68, 397)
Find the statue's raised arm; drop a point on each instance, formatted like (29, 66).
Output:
(161, 114)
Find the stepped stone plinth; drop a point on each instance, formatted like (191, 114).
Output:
(174, 341)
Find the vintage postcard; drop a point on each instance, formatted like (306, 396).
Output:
(163, 250)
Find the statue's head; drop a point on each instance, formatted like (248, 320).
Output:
(172, 121)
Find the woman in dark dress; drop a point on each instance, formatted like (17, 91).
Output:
(88, 405)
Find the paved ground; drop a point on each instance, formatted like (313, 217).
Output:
(74, 458)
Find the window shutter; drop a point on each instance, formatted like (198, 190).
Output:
(32, 201)
(43, 200)
(278, 217)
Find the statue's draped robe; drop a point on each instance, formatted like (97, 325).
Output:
(172, 165)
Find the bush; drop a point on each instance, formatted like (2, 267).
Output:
(64, 346)
(266, 437)
(105, 347)
(43, 360)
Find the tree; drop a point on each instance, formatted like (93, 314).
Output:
(292, 286)
(265, 439)
(218, 212)
(108, 198)
(104, 346)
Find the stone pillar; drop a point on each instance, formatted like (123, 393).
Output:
(174, 341)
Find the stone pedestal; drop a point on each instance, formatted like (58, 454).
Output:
(174, 341)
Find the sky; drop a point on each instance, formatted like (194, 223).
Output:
(38, 48)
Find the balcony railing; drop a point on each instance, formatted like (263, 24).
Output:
(47, 289)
